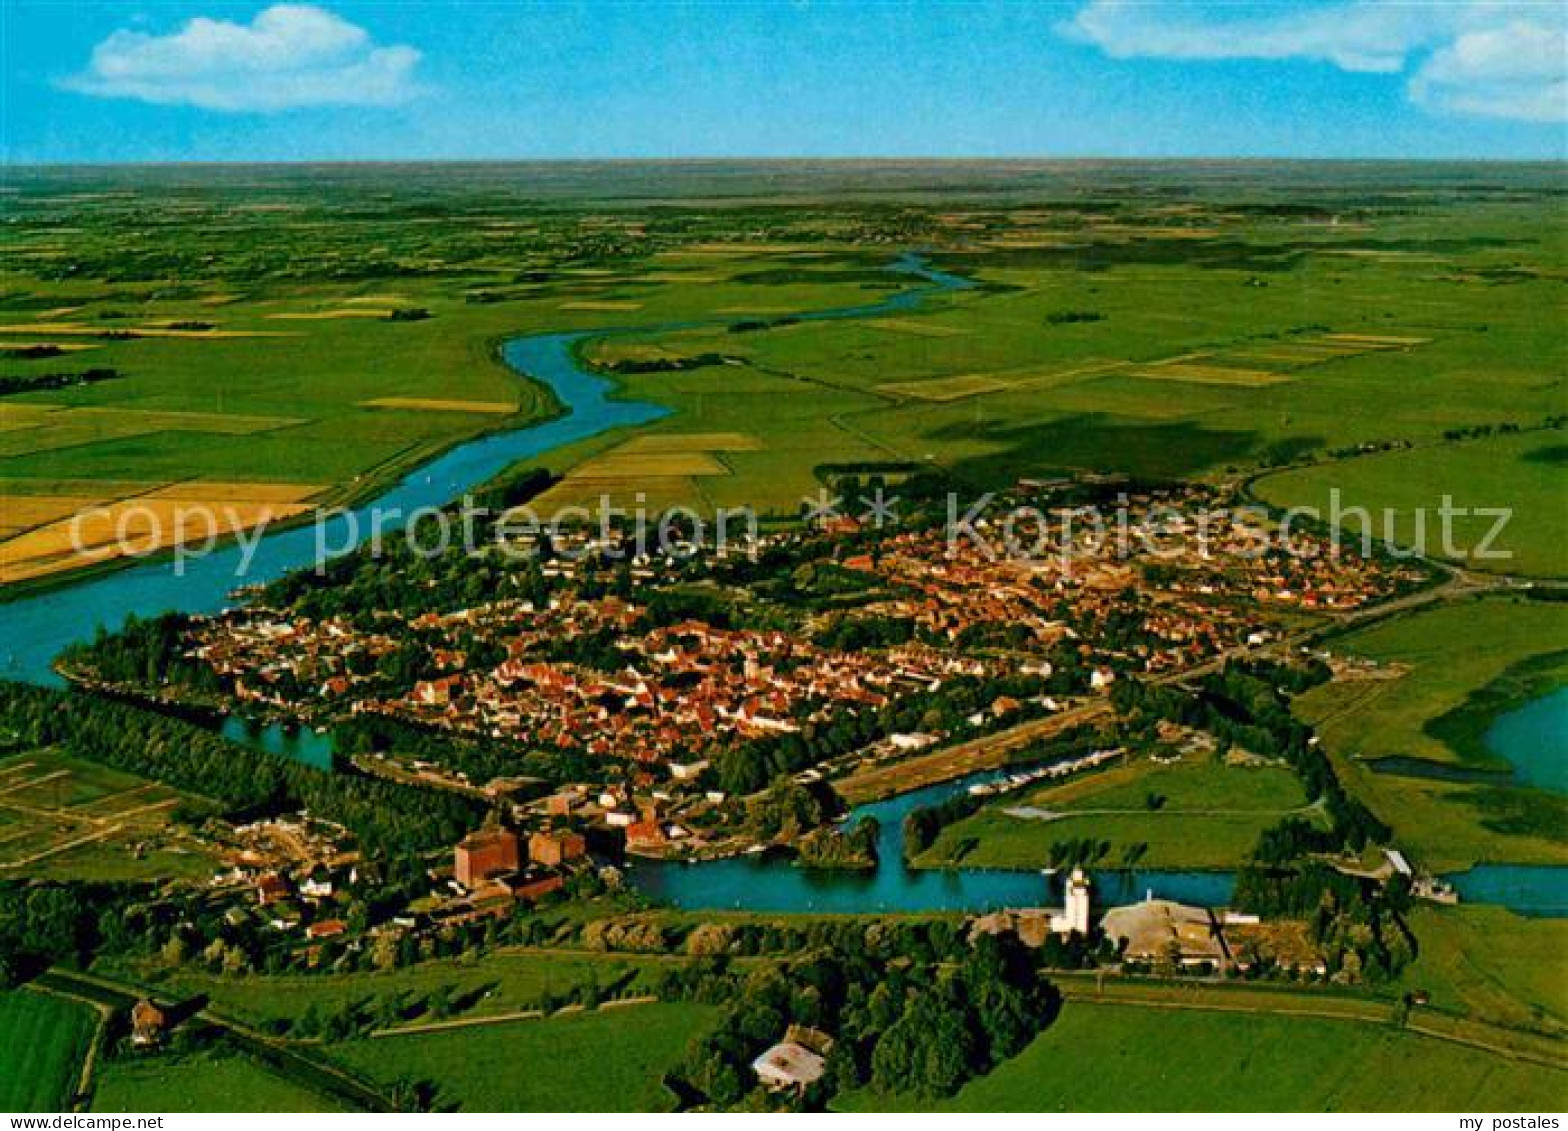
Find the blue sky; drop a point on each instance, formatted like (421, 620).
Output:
(197, 80)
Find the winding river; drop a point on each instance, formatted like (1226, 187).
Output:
(38, 627)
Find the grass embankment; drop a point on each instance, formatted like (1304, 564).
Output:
(504, 982)
(1453, 658)
(42, 1042)
(1196, 813)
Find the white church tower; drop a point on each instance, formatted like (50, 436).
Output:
(1074, 916)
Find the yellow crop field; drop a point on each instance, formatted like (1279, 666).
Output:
(918, 328)
(1210, 374)
(607, 305)
(436, 404)
(691, 441)
(633, 465)
(1376, 340)
(130, 527)
(63, 347)
(22, 512)
(215, 492)
(942, 389)
(651, 492)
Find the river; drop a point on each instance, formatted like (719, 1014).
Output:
(38, 627)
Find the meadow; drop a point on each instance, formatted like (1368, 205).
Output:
(1136, 1058)
(1208, 347)
(199, 1083)
(42, 1042)
(609, 1060)
(1447, 824)
(1491, 964)
(1194, 813)
(1400, 494)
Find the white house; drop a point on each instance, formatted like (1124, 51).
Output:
(788, 1065)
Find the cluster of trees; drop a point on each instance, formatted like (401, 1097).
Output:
(388, 819)
(787, 810)
(629, 365)
(481, 758)
(909, 1013)
(45, 923)
(363, 585)
(1356, 923)
(33, 383)
(838, 848)
(146, 653)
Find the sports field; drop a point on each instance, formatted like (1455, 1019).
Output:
(42, 1042)
(1135, 1058)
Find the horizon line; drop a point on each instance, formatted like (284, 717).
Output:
(176, 163)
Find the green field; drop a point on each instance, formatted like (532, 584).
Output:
(199, 1084)
(1133, 1058)
(42, 1042)
(504, 982)
(1448, 825)
(1523, 473)
(1488, 963)
(610, 1060)
(990, 384)
(1210, 816)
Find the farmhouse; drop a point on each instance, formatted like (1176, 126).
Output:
(1160, 930)
(796, 1062)
(147, 1024)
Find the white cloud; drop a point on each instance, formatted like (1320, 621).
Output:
(290, 56)
(1514, 71)
(1496, 58)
